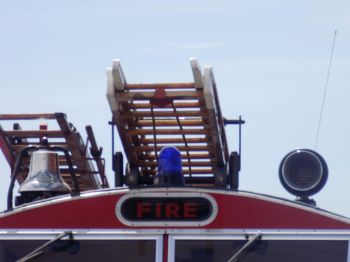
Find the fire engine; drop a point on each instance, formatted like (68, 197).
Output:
(175, 195)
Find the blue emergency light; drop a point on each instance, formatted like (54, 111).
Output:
(169, 168)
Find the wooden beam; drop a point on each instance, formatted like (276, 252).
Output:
(160, 122)
(213, 116)
(19, 147)
(193, 155)
(34, 133)
(186, 164)
(178, 95)
(181, 148)
(4, 146)
(96, 154)
(172, 140)
(26, 116)
(37, 143)
(137, 132)
(160, 85)
(76, 146)
(163, 114)
(201, 171)
(193, 104)
(220, 119)
(208, 89)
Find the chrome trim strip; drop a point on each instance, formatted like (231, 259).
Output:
(83, 233)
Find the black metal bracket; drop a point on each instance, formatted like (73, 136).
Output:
(234, 121)
(112, 133)
(235, 158)
(238, 122)
(118, 169)
(233, 170)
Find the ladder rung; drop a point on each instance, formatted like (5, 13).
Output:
(67, 175)
(163, 114)
(186, 163)
(160, 85)
(176, 104)
(26, 116)
(196, 171)
(183, 156)
(66, 171)
(37, 143)
(203, 181)
(178, 95)
(34, 133)
(19, 147)
(168, 132)
(181, 148)
(173, 140)
(61, 161)
(185, 122)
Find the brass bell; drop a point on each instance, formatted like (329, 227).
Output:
(44, 174)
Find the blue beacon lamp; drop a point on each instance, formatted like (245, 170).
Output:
(169, 168)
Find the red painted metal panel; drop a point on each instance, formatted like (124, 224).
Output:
(165, 247)
(236, 211)
(96, 212)
(246, 212)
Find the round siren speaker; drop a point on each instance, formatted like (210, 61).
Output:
(303, 172)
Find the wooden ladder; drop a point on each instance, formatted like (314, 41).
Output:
(89, 175)
(187, 116)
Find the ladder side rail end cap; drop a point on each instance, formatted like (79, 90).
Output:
(119, 80)
(197, 74)
(113, 103)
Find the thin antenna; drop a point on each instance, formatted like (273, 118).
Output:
(325, 90)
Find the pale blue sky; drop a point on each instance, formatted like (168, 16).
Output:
(270, 61)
